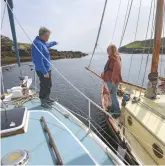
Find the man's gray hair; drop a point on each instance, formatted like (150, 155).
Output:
(43, 31)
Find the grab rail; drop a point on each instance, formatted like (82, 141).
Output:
(52, 143)
(122, 81)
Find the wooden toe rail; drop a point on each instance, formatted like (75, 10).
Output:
(52, 143)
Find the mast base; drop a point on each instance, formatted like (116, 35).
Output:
(151, 91)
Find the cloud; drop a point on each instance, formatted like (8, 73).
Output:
(74, 23)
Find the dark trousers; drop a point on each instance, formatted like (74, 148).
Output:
(45, 85)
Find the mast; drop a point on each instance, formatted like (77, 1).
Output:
(157, 38)
(151, 91)
(12, 25)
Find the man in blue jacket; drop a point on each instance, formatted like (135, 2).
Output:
(41, 59)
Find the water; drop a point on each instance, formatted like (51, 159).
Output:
(74, 70)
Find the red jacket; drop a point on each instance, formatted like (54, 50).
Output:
(114, 70)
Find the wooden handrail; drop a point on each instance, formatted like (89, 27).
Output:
(122, 82)
(59, 160)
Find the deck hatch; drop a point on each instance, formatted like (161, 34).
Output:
(13, 121)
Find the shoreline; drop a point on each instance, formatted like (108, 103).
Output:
(13, 60)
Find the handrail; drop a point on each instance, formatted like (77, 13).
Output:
(59, 160)
(122, 82)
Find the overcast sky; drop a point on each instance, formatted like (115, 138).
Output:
(74, 23)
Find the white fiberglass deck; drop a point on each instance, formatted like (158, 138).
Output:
(75, 146)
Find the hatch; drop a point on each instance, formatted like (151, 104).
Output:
(13, 121)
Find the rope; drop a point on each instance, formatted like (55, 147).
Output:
(73, 85)
(116, 21)
(152, 31)
(3, 15)
(98, 33)
(21, 101)
(125, 26)
(134, 40)
(145, 42)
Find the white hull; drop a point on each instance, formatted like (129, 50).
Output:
(146, 123)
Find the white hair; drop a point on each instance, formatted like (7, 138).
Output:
(43, 30)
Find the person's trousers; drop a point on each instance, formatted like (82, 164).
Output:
(45, 85)
(113, 88)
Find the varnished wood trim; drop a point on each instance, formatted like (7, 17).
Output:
(19, 131)
(59, 160)
(122, 82)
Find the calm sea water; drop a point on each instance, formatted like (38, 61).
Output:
(74, 70)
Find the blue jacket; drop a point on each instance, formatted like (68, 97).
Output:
(41, 64)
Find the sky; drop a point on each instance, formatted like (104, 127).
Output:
(74, 23)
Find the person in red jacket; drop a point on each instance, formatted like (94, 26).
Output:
(112, 77)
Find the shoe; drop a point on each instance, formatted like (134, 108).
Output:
(49, 100)
(45, 104)
(115, 116)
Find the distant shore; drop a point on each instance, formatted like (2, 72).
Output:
(12, 59)
(8, 52)
(142, 47)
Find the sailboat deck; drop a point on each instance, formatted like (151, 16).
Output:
(75, 145)
(150, 114)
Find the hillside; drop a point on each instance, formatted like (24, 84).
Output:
(8, 53)
(137, 47)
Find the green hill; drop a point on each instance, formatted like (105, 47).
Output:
(140, 46)
(8, 52)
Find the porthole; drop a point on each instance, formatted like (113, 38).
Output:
(157, 150)
(129, 119)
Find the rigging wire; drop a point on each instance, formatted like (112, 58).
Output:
(125, 17)
(93, 125)
(3, 15)
(137, 24)
(125, 26)
(98, 133)
(98, 32)
(109, 143)
(74, 86)
(117, 142)
(152, 32)
(118, 123)
(116, 21)
(145, 43)
(2, 81)
(114, 27)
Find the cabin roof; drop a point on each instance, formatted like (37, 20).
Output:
(74, 144)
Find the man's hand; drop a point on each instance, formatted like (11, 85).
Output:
(57, 43)
(46, 75)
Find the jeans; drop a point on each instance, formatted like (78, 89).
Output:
(115, 108)
(45, 85)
